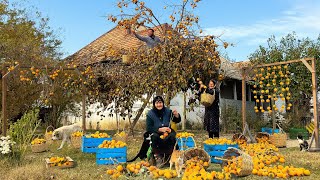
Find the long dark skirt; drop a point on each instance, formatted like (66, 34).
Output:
(211, 118)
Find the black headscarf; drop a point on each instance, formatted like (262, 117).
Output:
(158, 112)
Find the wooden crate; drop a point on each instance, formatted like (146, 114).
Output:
(106, 156)
(217, 151)
(186, 143)
(71, 165)
(90, 145)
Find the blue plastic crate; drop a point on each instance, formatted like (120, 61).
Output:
(186, 143)
(90, 145)
(269, 130)
(219, 147)
(106, 156)
(217, 151)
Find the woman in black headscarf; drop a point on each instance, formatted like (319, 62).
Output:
(158, 122)
(212, 112)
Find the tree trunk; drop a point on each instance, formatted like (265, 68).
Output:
(131, 127)
(144, 105)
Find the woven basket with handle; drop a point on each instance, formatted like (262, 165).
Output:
(120, 138)
(37, 148)
(47, 136)
(127, 59)
(278, 139)
(207, 99)
(264, 135)
(197, 152)
(239, 137)
(76, 141)
(246, 166)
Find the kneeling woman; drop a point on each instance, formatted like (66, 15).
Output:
(158, 122)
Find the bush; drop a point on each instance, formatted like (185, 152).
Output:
(23, 131)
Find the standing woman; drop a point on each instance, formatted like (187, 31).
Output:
(212, 112)
(163, 136)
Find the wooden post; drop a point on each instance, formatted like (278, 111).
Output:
(273, 116)
(184, 111)
(315, 107)
(84, 110)
(4, 105)
(243, 99)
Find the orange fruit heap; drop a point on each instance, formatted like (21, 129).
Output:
(59, 161)
(162, 173)
(267, 162)
(259, 148)
(196, 169)
(184, 135)
(38, 141)
(133, 169)
(77, 134)
(97, 134)
(220, 141)
(112, 144)
(262, 139)
(201, 174)
(196, 162)
(234, 167)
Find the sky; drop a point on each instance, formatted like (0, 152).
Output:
(244, 23)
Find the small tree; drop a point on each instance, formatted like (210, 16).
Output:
(164, 69)
(288, 48)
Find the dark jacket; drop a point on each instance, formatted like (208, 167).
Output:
(156, 120)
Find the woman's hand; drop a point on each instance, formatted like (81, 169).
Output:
(175, 113)
(164, 129)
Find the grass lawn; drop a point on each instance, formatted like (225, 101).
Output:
(33, 166)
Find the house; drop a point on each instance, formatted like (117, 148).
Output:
(97, 52)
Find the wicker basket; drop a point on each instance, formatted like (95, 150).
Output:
(48, 137)
(278, 139)
(239, 136)
(127, 59)
(207, 99)
(76, 141)
(261, 135)
(197, 152)
(246, 165)
(37, 148)
(120, 138)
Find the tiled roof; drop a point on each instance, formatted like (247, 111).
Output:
(118, 38)
(233, 69)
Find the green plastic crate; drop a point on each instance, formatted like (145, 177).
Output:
(294, 132)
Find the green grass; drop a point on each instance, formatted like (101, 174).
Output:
(33, 165)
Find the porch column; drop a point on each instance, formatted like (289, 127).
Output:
(235, 90)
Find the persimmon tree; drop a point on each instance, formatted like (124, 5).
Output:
(41, 79)
(184, 53)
